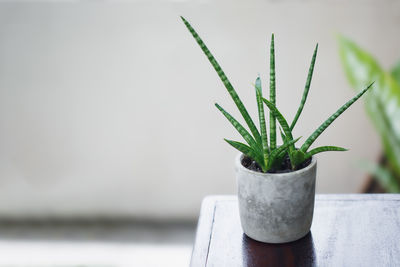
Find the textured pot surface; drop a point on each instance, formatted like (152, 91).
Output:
(276, 207)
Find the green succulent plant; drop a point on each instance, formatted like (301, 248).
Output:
(267, 154)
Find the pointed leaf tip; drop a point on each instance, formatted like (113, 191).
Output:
(369, 86)
(340, 37)
(257, 85)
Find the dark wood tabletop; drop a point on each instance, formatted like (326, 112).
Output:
(347, 230)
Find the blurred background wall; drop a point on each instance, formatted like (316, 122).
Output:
(107, 108)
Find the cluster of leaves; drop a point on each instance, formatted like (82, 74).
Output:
(266, 153)
(383, 107)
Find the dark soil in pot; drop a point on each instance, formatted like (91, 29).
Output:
(285, 167)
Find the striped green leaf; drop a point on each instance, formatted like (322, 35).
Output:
(272, 94)
(248, 151)
(281, 155)
(285, 126)
(283, 137)
(242, 131)
(278, 151)
(297, 157)
(306, 88)
(282, 121)
(261, 116)
(324, 149)
(328, 122)
(225, 81)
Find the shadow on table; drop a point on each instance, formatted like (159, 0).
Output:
(297, 253)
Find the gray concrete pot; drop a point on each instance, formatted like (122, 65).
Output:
(276, 207)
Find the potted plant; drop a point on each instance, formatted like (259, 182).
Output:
(383, 108)
(276, 184)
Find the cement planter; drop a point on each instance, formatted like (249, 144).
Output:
(276, 208)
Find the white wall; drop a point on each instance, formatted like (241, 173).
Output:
(107, 108)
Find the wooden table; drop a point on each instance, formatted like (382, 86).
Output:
(347, 230)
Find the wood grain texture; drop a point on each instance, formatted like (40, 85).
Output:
(347, 230)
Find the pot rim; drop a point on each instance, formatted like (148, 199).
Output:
(239, 165)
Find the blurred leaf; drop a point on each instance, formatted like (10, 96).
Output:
(382, 175)
(396, 72)
(383, 103)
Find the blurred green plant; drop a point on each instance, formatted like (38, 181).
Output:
(382, 105)
(268, 155)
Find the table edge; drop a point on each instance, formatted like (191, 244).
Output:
(207, 212)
